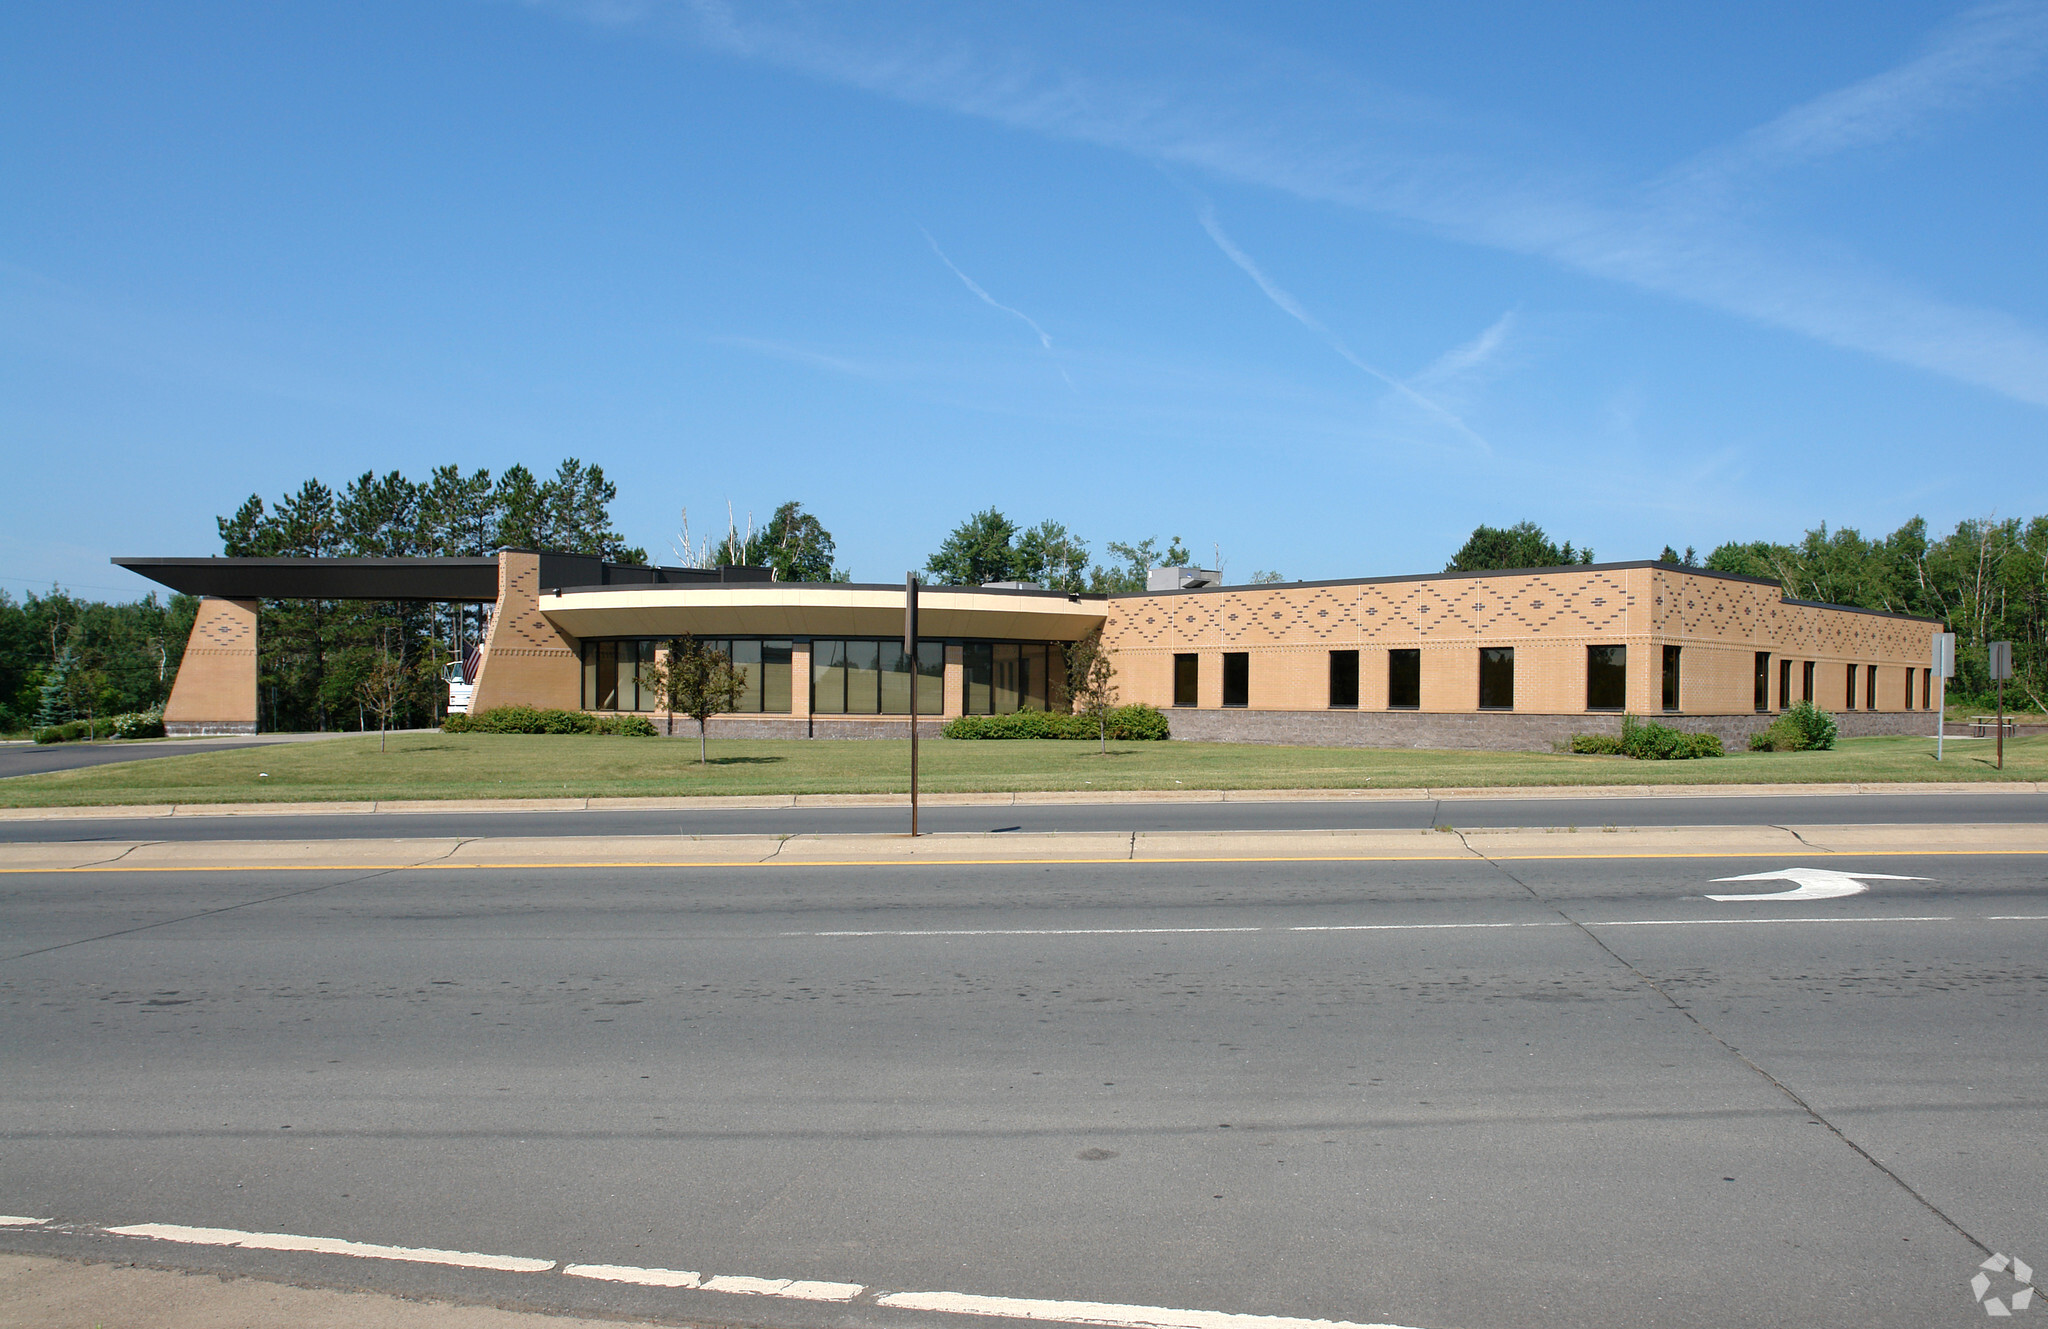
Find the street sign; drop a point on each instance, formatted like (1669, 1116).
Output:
(1944, 662)
(2001, 659)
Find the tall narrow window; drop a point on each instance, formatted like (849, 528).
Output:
(1870, 688)
(1927, 689)
(1784, 684)
(895, 679)
(1237, 678)
(607, 697)
(1343, 678)
(775, 679)
(931, 677)
(1849, 690)
(828, 677)
(1763, 680)
(1496, 678)
(1908, 705)
(1034, 675)
(1187, 675)
(1606, 678)
(1404, 680)
(977, 670)
(1806, 681)
(1671, 682)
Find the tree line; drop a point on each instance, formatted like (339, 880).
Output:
(990, 547)
(63, 658)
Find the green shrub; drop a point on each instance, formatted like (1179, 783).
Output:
(1125, 724)
(139, 724)
(1804, 727)
(1816, 727)
(1646, 740)
(1138, 723)
(538, 720)
(72, 731)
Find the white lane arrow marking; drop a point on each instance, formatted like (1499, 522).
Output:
(1812, 883)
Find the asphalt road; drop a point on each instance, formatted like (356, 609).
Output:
(1392, 814)
(35, 758)
(1562, 1093)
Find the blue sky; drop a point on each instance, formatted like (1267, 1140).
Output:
(1322, 286)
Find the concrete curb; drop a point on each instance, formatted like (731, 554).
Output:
(724, 802)
(518, 853)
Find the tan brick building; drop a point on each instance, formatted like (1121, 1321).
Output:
(1492, 660)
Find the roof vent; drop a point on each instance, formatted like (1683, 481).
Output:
(1181, 579)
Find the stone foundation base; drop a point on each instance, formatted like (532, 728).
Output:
(208, 728)
(734, 726)
(1496, 731)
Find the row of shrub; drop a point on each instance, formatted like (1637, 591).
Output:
(1646, 740)
(548, 720)
(1125, 724)
(1804, 727)
(135, 724)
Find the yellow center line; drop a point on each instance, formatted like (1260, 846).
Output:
(1030, 862)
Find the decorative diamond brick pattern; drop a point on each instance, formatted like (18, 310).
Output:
(1565, 605)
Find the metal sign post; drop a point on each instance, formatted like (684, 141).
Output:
(2001, 670)
(1941, 665)
(910, 653)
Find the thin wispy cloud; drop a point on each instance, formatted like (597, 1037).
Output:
(1294, 309)
(1303, 130)
(1472, 356)
(1044, 337)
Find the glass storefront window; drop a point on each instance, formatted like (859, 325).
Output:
(863, 677)
(619, 675)
(853, 677)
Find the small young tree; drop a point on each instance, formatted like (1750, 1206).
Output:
(382, 691)
(1091, 680)
(698, 681)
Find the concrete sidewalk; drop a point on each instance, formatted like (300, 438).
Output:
(42, 1293)
(1029, 798)
(513, 853)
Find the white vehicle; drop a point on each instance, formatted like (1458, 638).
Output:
(460, 688)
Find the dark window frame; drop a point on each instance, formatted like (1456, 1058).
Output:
(1870, 687)
(1674, 679)
(1806, 681)
(1849, 689)
(1496, 670)
(1404, 678)
(1784, 684)
(1603, 692)
(1343, 680)
(1187, 679)
(1237, 679)
(1763, 681)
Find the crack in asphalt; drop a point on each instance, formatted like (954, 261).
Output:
(1783, 1088)
(230, 908)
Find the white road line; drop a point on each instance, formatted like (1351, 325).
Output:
(1400, 927)
(2016, 918)
(1019, 932)
(783, 1287)
(1105, 1313)
(626, 1273)
(1422, 927)
(282, 1241)
(961, 1303)
(15, 1220)
(1761, 922)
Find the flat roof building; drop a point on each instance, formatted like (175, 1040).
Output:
(1513, 659)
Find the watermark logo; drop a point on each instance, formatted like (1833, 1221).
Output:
(2016, 1298)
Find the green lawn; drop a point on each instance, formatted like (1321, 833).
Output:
(535, 766)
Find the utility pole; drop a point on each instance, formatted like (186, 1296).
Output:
(910, 654)
(2001, 670)
(1942, 663)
